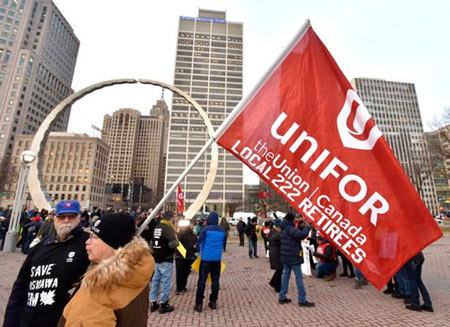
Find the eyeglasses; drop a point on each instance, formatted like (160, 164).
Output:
(69, 216)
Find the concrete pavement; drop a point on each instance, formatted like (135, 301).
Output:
(246, 299)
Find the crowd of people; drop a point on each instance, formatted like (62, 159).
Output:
(91, 269)
(286, 255)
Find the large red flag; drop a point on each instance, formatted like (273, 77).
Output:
(180, 200)
(308, 135)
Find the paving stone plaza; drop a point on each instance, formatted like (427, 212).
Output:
(246, 299)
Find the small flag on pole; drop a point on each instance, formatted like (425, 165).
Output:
(263, 195)
(180, 200)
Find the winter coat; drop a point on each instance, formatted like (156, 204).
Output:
(188, 239)
(114, 292)
(225, 225)
(147, 233)
(50, 270)
(291, 253)
(211, 238)
(164, 242)
(275, 250)
(326, 253)
(250, 231)
(241, 226)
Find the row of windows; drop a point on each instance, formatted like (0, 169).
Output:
(207, 37)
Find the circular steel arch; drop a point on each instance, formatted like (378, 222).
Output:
(37, 190)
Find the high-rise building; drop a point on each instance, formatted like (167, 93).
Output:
(209, 68)
(73, 167)
(137, 143)
(439, 147)
(395, 109)
(38, 52)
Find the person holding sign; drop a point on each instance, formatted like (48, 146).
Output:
(209, 245)
(184, 260)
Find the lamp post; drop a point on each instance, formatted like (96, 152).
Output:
(26, 158)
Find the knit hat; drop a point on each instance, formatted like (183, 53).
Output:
(115, 229)
(277, 222)
(289, 217)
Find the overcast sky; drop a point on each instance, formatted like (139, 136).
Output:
(402, 40)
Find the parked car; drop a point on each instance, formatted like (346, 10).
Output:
(244, 215)
(438, 220)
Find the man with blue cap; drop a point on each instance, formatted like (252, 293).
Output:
(49, 272)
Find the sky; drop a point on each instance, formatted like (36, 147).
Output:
(402, 40)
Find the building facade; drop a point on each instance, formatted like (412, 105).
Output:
(137, 153)
(439, 148)
(209, 68)
(74, 168)
(395, 109)
(38, 52)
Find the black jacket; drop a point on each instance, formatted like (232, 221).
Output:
(275, 250)
(290, 243)
(188, 239)
(41, 290)
(250, 231)
(241, 226)
(164, 242)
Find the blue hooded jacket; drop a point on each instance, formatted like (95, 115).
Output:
(211, 238)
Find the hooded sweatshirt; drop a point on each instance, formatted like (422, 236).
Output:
(211, 238)
(114, 292)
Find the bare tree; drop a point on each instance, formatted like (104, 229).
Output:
(271, 202)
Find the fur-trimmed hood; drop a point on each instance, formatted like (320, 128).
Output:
(131, 267)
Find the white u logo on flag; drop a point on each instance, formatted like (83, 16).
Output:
(356, 127)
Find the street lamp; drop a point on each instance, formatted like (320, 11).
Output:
(26, 158)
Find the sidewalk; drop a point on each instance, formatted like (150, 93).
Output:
(246, 299)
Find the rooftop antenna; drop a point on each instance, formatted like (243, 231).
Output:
(162, 94)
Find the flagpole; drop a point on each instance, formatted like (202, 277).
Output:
(236, 111)
(227, 122)
(174, 186)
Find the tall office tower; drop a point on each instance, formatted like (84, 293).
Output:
(137, 151)
(439, 148)
(73, 167)
(395, 109)
(38, 52)
(208, 67)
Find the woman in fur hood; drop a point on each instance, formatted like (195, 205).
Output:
(114, 292)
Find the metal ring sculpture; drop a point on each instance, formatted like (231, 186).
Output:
(37, 191)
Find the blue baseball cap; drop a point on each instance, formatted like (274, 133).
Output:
(68, 207)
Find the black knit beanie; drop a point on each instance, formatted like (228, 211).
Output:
(115, 229)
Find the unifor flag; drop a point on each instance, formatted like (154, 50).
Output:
(306, 132)
(180, 200)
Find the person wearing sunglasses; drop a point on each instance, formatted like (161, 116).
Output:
(52, 268)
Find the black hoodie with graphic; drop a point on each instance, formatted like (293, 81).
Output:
(41, 289)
